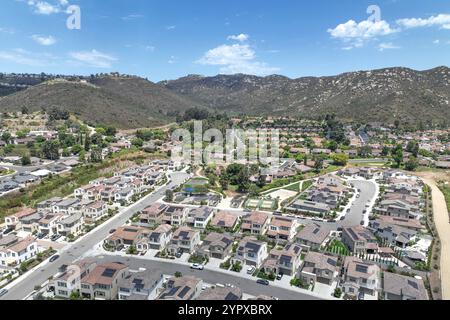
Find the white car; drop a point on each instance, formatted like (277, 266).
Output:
(197, 266)
(251, 270)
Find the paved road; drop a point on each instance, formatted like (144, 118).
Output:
(212, 277)
(19, 290)
(441, 220)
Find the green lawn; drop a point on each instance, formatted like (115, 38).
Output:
(294, 187)
(446, 191)
(307, 184)
(338, 247)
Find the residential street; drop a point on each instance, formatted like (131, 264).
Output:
(209, 276)
(24, 285)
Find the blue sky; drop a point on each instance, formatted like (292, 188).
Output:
(169, 39)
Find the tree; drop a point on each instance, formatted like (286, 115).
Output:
(340, 159)
(412, 164)
(178, 274)
(318, 164)
(137, 142)
(25, 110)
(6, 137)
(87, 143)
(413, 147)
(169, 195)
(385, 151)
(76, 149)
(96, 155)
(26, 161)
(397, 155)
(50, 149)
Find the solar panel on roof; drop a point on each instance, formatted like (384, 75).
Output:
(331, 262)
(129, 230)
(184, 291)
(316, 230)
(231, 297)
(361, 268)
(109, 273)
(413, 284)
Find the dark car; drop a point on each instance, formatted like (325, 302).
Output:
(361, 296)
(263, 282)
(41, 235)
(54, 258)
(55, 237)
(112, 231)
(179, 254)
(8, 231)
(3, 292)
(362, 223)
(280, 276)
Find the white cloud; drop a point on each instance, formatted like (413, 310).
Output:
(171, 27)
(387, 46)
(172, 60)
(240, 37)
(44, 41)
(437, 41)
(47, 8)
(441, 20)
(23, 57)
(362, 30)
(94, 58)
(43, 7)
(236, 58)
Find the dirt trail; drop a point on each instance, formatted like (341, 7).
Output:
(441, 219)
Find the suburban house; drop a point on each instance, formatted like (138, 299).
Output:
(48, 204)
(285, 261)
(255, 223)
(395, 235)
(399, 287)
(68, 206)
(282, 228)
(152, 216)
(319, 267)
(14, 220)
(309, 207)
(200, 217)
(69, 280)
(251, 251)
(183, 288)
(158, 239)
(18, 251)
(71, 225)
(125, 236)
(225, 220)
(48, 224)
(103, 281)
(359, 240)
(396, 208)
(95, 211)
(216, 245)
(124, 195)
(184, 239)
(221, 294)
(30, 223)
(175, 216)
(360, 276)
(141, 285)
(312, 236)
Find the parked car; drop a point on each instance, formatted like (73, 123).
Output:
(55, 237)
(342, 218)
(8, 230)
(361, 296)
(279, 276)
(362, 222)
(112, 231)
(197, 266)
(3, 292)
(41, 235)
(263, 282)
(179, 254)
(251, 270)
(54, 258)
